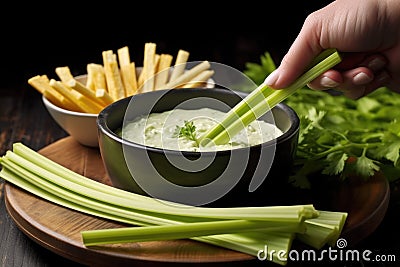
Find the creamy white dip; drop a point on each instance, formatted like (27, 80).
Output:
(159, 130)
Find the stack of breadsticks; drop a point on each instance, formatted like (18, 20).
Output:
(118, 77)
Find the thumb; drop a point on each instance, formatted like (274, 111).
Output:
(303, 50)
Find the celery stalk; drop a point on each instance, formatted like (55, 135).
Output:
(317, 234)
(263, 99)
(325, 229)
(187, 230)
(11, 177)
(252, 242)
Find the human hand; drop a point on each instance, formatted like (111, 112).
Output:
(367, 34)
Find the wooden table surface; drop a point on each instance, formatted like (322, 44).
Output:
(23, 118)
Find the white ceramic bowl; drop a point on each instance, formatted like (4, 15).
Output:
(81, 126)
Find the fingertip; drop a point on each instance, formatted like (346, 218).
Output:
(362, 78)
(278, 79)
(328, 82)
(272, 78)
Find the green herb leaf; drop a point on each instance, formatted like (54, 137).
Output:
(188, 131)
(335, 163)
(365, 166)
(391, 151)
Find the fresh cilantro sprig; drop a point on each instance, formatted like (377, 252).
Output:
(188, 131)
(339, 136)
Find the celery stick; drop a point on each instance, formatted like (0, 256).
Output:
(263, 99)
(186, 230)
(334, 218)
(317, 234)
(252, 242)
(11, 177)
(235, 113)
(325, 229)
(86, 201)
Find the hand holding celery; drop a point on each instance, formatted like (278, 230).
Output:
(263, 98)
(276, 226)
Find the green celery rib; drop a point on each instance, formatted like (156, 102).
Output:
(263, 98)
(317, 234)
(323, 230)
(252, 242)
(11, 176)
(186, 230)
(86, 201)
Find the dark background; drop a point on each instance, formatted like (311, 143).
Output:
(36, 38)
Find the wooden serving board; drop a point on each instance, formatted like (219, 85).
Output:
(58, 228)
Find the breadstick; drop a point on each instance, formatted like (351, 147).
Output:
(146, 77)
(188, 75)
(199, 80)
(96, 78)
(180, 64)
(161, 77)
(81, 88)
(42, 84)
(82, 102)
(128, 71)
(64, 73)
(113, 77)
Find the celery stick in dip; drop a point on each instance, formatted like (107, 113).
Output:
(160, 130)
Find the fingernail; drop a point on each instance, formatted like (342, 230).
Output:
(376, 64)
(328, 82)
(361, 79)
(271, 79)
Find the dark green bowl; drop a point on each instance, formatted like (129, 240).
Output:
(239, 177)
